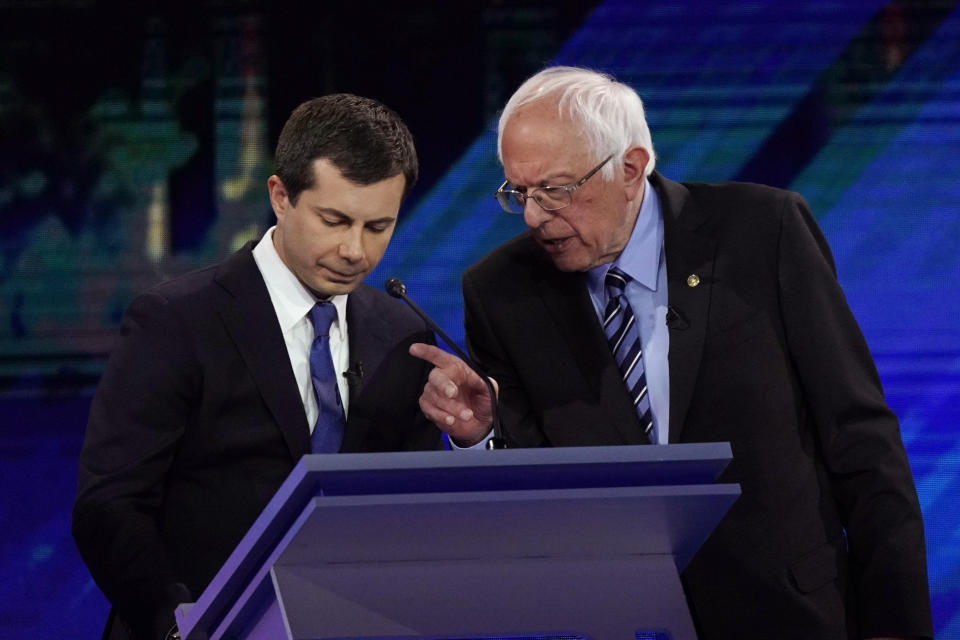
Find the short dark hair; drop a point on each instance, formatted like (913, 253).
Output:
(363, 138)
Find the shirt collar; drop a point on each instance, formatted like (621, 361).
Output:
(640, 259)
(291, 300)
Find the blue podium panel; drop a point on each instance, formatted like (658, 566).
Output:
(475, 543)
(592, 562)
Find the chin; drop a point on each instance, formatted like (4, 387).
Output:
(571, 263)
(339, 288)
(327, 289)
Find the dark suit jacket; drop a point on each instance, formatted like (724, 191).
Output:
(826, 540)
(198, 419)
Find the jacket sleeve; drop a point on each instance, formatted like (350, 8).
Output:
(423, 435)
(520, 425)
(857, 432)
(137, 417)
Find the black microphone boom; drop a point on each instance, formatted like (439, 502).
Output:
(396, 288)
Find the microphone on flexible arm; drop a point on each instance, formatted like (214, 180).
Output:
(676, 320)
(396, 288)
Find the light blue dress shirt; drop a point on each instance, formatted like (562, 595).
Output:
(643, 260)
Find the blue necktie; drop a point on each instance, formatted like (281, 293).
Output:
(328, 431)
(623, 335)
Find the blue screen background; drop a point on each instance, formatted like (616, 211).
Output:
(856, 105)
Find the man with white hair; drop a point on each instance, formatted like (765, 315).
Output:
(640, 310)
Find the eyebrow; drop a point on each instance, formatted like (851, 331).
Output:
(549, 181)
(344, 216)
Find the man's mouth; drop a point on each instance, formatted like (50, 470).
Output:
(555, 245)
(342, 276)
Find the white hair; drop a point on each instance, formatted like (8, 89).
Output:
(609, 113)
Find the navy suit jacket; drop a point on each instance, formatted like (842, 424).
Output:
(826, 540)
(198, 419)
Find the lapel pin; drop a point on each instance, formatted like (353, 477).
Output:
(693, 280)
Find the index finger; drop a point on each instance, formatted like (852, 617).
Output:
(434, 355)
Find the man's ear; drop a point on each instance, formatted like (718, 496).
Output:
(279, 200)
(635, 161)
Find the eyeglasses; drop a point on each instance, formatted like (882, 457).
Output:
(549, 198)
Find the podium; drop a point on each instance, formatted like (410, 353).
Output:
(524, 543)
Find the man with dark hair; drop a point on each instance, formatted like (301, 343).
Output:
(366, 141)
(223, 378)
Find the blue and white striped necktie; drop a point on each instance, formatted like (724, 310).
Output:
(623, 335)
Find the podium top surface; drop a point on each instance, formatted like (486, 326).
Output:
(513, 469)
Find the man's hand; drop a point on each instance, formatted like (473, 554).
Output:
(455, 398)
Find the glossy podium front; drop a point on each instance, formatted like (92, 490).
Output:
(573, 542)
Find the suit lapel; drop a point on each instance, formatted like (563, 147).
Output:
(571, 311)
(690, 260)
(252, 323)
(370, 339)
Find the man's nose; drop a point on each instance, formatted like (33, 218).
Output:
(352, 246)
(533, 213)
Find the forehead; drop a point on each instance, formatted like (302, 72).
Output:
(539, 144)
(331, 190)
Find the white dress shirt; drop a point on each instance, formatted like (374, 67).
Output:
(292, 303)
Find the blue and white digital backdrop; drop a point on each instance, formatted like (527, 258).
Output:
(135, 142)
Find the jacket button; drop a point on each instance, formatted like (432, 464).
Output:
(693, 280)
